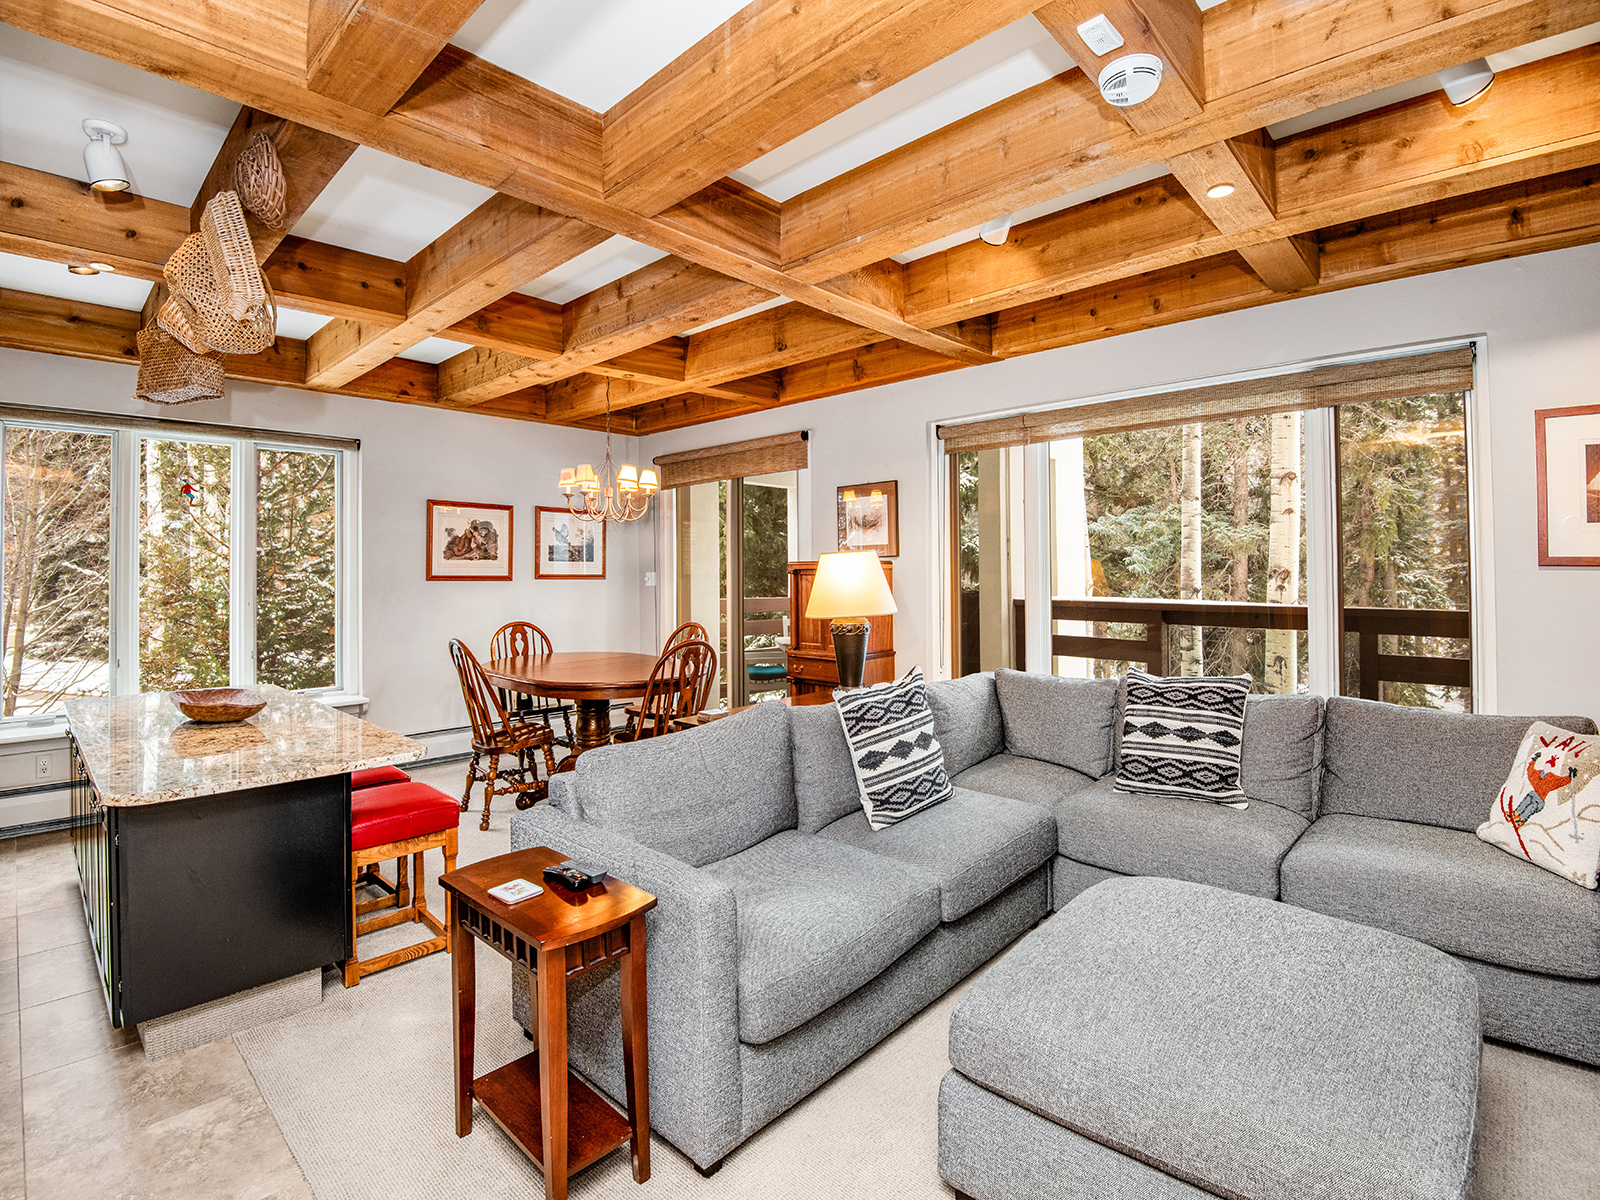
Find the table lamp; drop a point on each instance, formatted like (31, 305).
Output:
(850, 587)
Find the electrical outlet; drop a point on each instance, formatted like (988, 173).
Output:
(41, 766)
(649, 579)
(1100, 35)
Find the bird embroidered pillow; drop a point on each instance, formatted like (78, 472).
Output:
(1548, 812)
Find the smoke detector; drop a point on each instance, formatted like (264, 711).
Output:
(1130, 79)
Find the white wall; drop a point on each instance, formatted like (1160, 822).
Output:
(409, 454)
(1541, 318)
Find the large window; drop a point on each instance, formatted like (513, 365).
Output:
(123, 568)
(1311, 530)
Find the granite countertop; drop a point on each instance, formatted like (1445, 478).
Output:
(142, 750)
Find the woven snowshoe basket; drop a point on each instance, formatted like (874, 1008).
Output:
(259, 177)
(218, 287)
(169, 373)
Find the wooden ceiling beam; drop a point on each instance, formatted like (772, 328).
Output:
(1059, 137)
(770, 73)
(1169, 29)
(65, 220)
(1540, 118)
(331, 281)
(500, 246)
(368, 53)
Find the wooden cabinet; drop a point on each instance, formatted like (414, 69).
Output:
(810, 658)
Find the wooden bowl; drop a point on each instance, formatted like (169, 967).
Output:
(213, 706)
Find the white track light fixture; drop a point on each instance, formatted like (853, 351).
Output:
(1466, 82)
(996, 232)
(101, 160)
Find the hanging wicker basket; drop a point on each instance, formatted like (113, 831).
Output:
(170, 317)
(217, 286)
(170, 373)
(259, 177)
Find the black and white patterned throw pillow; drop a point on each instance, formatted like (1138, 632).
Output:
(1182, 737)
(898, 761)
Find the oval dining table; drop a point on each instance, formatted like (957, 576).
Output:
(591, 679)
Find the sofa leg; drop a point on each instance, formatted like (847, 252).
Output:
(708, 1172)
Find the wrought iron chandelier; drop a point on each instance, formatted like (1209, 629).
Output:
(616, 493)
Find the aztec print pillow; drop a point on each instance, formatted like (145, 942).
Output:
(1548, 812)
(1183, 737)
(898, 761)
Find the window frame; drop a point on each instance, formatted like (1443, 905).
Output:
(126, 438)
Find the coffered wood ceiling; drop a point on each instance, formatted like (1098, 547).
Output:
(1416, 186)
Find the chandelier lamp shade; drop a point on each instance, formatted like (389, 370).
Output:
(102, 162)
(617, 493)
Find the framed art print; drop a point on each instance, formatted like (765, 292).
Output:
(469, 541)
(869, 518)
(1567, 470)
(567, 548)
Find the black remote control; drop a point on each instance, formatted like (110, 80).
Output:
(574, 876)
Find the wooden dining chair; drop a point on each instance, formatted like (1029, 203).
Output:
(689, 631)
(678, 686)
(517, 640)
(496, 736)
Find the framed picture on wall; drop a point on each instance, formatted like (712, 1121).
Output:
(567, 548)
(869, 517)
(1567, 470)
(469, 541)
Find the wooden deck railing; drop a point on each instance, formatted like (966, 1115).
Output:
(1157, 616)
(760, 604)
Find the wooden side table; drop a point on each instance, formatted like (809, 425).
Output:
(556, 1118)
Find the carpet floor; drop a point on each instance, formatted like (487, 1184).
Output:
(362, 1089)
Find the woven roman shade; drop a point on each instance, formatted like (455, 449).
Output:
(735, 460)
(1320, 387)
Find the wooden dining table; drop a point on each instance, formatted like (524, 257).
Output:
(591, 679)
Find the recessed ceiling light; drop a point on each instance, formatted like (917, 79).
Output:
(101, 160)
(83, 269)
(99, 266)
(996, 232)
(1220, 190)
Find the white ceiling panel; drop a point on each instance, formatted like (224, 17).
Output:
(594, 52)
(1008, 61)
(295, 324)
(434, 350)
(388, 206)
(606, 263)
(53, 279)
(47, 89)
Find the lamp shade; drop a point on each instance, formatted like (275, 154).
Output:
(850, 584)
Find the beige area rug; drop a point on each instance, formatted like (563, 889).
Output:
(362, 1088)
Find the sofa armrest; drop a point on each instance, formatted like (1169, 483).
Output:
(692, 953)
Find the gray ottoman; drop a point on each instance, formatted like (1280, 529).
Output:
(1161, 1039)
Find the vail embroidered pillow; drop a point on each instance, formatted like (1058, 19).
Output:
(898, 761)
(1548, 812)
(1183, 737)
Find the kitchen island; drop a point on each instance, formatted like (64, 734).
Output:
(214, 858)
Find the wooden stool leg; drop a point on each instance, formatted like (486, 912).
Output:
(402, 886)
(451, 840)
(421, 906)
(352, 973)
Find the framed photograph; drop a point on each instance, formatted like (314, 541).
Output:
(869, 518)
(567, 548)
(1567, 469)
(469, 541)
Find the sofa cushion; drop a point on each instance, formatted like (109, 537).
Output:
(825, 787)
(1058, 719)
(699, 795)
(1256, 1050)
(1237, 849)
(817, 920)
(898, 761)
(1281, 762)
(974, 845)
(1182, 736)
(966, 717)
(1420, 764)
(1448, 889)
(1030, 779)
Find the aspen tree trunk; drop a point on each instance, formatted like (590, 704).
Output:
(1238, 640)
(1191, 658)
(1283, 550)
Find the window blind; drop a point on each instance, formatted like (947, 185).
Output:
(735, 460)
(1319, 387)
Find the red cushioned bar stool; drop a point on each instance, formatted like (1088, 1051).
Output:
(393, 820)
(397, 892)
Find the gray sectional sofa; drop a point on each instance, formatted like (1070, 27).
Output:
(791, 937)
